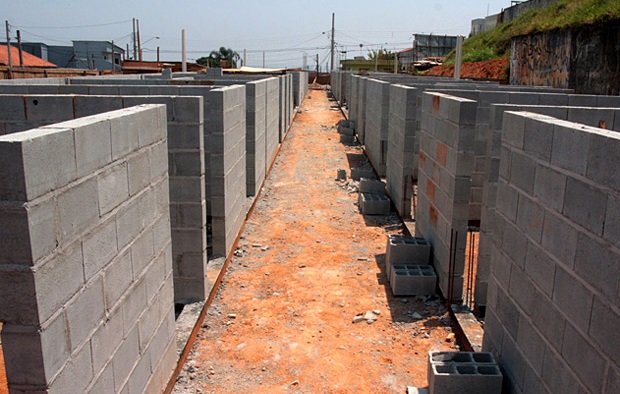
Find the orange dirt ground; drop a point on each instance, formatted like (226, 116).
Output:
(492, 70)
(307, 263)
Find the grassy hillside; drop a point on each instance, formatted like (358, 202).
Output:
(561, 15)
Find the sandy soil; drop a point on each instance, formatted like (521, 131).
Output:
(307, 263)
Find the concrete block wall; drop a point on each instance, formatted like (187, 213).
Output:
(590, 116)
(377, 123)
(353, 97)
(360, 122)
(272, 131)
(256, 118)
(335, 84)
(186, 167)
(290, 102)
(86, 292)
(225, 131)
(552, 312)
(446, 161)
(399, 168)
(283, 125)
(300, 87)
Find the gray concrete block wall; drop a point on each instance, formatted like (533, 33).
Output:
(272, 134)
(225, 133)
(377, 123)
(552, 309)
(400, 170)
(335, 84)
(256, 118)
(360, 123)
(86, 284)
(444, 181)
(536, 142)
(186, 166)
(354, 98)
(283, 126)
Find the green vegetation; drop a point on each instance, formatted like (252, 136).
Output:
(561, 15)
(225, 57)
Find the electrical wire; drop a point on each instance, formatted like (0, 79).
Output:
(74, 27)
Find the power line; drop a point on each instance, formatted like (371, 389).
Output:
(73, 27)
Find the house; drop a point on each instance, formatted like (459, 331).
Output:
(28, 60)
(82, 54)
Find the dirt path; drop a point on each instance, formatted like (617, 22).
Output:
(307, 264)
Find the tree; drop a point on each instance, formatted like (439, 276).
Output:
(381, 54)
(225, 58)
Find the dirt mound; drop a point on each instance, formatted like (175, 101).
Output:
(489, 70)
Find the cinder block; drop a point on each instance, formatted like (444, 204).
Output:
(347, 139)
(125, 358)
(78, 209)
(374, 186)
(99, 248)
(358, 173)
(402, 249)
(47, 158)
(374, 204)
(76, 375)
(409, 280)
(585, 204)
(85, 313)
(570, 147)
(107, 338)
(463, 373)
(46, 108)
(346, 130)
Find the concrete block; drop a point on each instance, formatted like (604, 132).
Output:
(549, 187)
(603, 156)
(50, 107)
(598, 265)
(347, 139)
(407, 280)
(107, 338)
(125, 358)
(78, 209)
(570, 147)
(139, 172)
(572, 297)
(117, 278)
(558, 375)
(99, 248)
(540, 267)
(585, 204)
(112, 188)
(84, 314)
(76, 375)
(522, 172)
(48, 157)
(371, 186)
(142, 253)
(93, 105)
(463, 374)
(587, 363)
(374, 204)
(362, 172)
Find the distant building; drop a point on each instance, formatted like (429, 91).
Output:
(363, 64)
(28, 59)
(432, 46)
(406, 58)
(83, 54)
(100, 55)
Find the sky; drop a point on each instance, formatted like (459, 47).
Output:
(284, 32)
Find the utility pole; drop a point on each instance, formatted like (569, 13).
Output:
(333, 40)
(317, 66)
(183, 52)
(138, 38)
(19, 47)
(133, 36)
(8, 46)
(395, 62)
(459, 57)
(113, 59)
(244, 57)
(263, 59)
(157, 54)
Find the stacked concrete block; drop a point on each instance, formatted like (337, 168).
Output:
(553, 288)
(369, 185)
(86, 288)
(185, 161)
(291, 104)
(360, 120)
(585, 115)
(446, 162)
(225, 131)
(463, 373)
(255, 143)
(377, 122)
(403, 249)
(410, 280)
(374, 204)
(283, 111)
(300, 86)
(272, 113)
(357, 173)
(401, 168)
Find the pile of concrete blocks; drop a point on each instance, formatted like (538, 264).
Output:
(407, 266)
(463, 373)
(370, 185)
(86, 288)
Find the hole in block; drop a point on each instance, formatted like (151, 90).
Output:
(483, 357)
(488, 370)
(466, 369)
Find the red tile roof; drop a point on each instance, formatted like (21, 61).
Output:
(29, 60)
